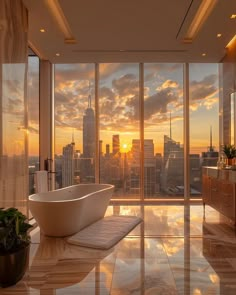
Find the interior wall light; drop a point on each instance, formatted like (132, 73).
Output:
(231, 42)
(199, 19)
(61, 20)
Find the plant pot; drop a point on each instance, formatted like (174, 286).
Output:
(229, 161)
(13, 266)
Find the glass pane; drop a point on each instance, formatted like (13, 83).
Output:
(13, 138)
(119, 128)
(74, 124)
(204, 121)
(163, 130)
(33, 118)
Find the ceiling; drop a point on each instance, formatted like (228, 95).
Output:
(128, 30)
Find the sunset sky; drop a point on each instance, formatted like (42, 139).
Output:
(118, 104)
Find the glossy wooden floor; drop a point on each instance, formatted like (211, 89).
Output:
(172, 252)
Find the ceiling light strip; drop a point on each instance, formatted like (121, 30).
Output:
(61, 20)
(35, 50)
(201, 16)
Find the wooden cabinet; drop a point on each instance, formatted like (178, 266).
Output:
(227, 199)
(219, 191)
(206, 189)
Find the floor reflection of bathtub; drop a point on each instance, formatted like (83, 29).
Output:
(58, 265)
(66, 211)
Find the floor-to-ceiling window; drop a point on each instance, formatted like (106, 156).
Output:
(204, 121)
(119, 128)
(74, 124)
(163, 130)
(33, 118)
(136, 148)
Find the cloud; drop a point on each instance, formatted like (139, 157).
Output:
(33, 97)
(120, 107)
(107, 70)
(33, 130)
(156, 72)
(127, 85)
(169, 67)
(74, 72)
(14, 88)
(158, 103)
(208, 103)
(170, 84)
(14, 107)
(71, 96)
(203, 89)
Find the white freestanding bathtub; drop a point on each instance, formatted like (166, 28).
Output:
(65, 211)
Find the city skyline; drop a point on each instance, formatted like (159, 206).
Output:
(163, 173)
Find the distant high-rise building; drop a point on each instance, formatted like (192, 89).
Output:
(170, 146)
(68, 165)
(149, 168)
(115, 144)
(100, 148)
(110, 168)
(158, 158)
(107, 150)
(77, 168)
(173, 170)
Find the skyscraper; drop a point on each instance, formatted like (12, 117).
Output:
(87, 171)
(173, 167)
(149, 167)
(89, 131)
(115, 144)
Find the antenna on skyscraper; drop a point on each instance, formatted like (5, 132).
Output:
(89, 96)
(211, 147)
(170, 126)
(73, 139)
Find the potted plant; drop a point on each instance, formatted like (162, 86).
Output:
(14, 246)
(230, 152)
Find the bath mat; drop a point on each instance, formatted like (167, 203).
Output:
(105, 233)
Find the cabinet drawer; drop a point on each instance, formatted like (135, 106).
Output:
(227, 204)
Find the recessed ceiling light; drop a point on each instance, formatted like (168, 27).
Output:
(42, 30)
(233, 16)
(57, 54)
(203, 54)
(219, 35)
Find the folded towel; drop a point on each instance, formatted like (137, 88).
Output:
(41, 181)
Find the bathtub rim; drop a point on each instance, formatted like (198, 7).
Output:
(30, 197)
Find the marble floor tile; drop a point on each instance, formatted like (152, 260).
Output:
(175, 251)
